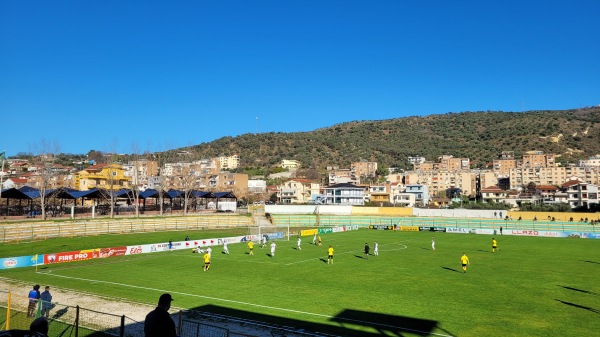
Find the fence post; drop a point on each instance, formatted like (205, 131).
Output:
(180, 323)
(122, 329)
(77, 321)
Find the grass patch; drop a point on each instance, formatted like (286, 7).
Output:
(531, 287)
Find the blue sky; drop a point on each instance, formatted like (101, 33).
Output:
(132, 76)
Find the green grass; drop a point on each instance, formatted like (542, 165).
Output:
(531, 287)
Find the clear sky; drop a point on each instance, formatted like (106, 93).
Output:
(131, 76)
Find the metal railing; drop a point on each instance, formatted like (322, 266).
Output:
(44, 230)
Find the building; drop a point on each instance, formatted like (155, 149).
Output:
(493, 194)
(298, 191)
(342, 176)
(257, 186)
(581, 194)
(379, 194)
(225, 181)
(449, 163)
(139, 171)
(421, 193)
(229, 162)
(290, 164)
(105, 176)
(364, 169)
(590, 162)
(343, 194)
(14, 183)
(404, 199)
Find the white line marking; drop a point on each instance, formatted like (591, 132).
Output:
(238, 302)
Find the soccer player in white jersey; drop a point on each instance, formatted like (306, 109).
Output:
(376, 249)
(209, 251)
(432, 243)
(273, 245)
(225, 249)
(299, 242)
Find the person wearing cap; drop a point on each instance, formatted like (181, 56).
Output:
(158, 322)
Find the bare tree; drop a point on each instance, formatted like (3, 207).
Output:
(135, 179)
(164, 176)
(45, 155)
(189, 178)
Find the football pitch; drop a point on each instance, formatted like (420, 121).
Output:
(530, 287)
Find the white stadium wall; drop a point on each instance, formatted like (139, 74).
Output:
(308, 209)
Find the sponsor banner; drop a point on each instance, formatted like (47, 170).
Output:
(459, 230)
(113, 251)
(486, 231)
(381, 227)
(325, 230)
(582, 235)
(142, 249)
(338, 229)
(551, 234)
(233, 239)
(21, 261)
(307, 232)
(74, 256)
(432, 229)
(351, 228)
(409, 228)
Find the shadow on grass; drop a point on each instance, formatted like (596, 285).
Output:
(483, 251)
(322, 259)
(588, 261)
(451, 269)
(359, 257)
(580, 290)
(580, 306)
(348, 323)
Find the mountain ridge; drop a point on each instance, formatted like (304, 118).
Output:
(480, 136)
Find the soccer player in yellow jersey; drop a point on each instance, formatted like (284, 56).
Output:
(494, 245)
(251, 247)
(206, 259)
(464, 260)
(330, 255)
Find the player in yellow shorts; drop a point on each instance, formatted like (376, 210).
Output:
(464, 260)
(330, 255)
(251, 247)
(206, 259)
(494, 245)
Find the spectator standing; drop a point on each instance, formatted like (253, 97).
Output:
(46, 298)
(34, 297)
(158, 322)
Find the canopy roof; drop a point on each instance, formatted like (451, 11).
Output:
(31, 193)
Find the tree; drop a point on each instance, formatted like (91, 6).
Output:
(45, 155)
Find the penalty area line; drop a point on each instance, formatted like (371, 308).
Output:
(242, 303)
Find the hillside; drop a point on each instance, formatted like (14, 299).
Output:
(480, 136)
